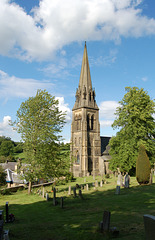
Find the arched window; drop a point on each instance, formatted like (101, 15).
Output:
(92, 122)
(88, 124)
(77, 158)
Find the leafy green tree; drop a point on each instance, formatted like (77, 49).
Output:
(40, 123)
(6, 148)
(143, 167)
(2, 177)
(134, 119)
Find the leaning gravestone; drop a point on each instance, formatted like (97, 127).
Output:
(117, 190)
(149, 224)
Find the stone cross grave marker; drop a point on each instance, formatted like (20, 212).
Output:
(149, 224)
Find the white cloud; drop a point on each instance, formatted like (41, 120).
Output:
(11, 86)
(107, 110)
(5, 128)
(144, 79)
(57, 23)
(106, 123)
(65, 109)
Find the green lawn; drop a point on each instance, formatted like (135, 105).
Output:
(37, 219)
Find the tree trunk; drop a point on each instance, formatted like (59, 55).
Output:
(29, 188)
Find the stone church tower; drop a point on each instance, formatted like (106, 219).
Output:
(85, 128)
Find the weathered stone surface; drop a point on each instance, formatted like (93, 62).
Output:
(149, 224)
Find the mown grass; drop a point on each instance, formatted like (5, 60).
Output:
(38, 219)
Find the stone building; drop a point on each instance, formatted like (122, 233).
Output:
(85, 128)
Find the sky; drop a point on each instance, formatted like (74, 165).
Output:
(42, 44)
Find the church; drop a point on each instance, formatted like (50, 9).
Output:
(89, 151)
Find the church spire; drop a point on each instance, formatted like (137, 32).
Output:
(85, 95)
(85, 78)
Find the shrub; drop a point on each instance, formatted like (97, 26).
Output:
(143, 166)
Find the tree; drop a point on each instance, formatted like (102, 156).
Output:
(6, 148)
(134, 118)
(2, 177)
(40, 123)
(143, 167)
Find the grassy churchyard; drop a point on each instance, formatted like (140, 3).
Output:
(38, 219)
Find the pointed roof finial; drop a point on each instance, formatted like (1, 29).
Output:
(85, 43)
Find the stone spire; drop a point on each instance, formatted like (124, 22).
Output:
(85, 95)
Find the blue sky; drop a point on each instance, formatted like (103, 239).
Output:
(42, 43)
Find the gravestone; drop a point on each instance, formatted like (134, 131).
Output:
(126, 180)
(47, 197)
(87, 187)
(101, 183)
(43, 192)
(62, 202)
(54, 197)
(149, 225)
(105, 224)
(80, 194)
(84, 180)
(96, 184)
(69, 190)
(7, 211)
(117, 190)
(74, 191)
(120, 180)
(1, 215)
(1, 229)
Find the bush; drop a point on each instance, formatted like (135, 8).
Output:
(5, 191)
(143, 167)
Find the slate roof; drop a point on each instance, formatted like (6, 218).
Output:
(13, 177)
(104, 145)
(9, 165)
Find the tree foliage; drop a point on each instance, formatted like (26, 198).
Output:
(40, 123)
(143, 167)
(2, 177)
(134, 119)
